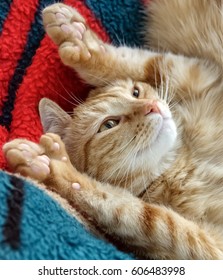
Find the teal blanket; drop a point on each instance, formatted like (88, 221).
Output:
(34, 226)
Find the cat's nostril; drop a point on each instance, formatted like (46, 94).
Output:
(151, 107)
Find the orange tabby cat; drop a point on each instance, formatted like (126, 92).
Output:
(147, 143)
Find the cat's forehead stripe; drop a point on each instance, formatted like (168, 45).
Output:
(107, 105)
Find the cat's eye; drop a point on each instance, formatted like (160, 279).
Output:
(108, 124)
(135, 92)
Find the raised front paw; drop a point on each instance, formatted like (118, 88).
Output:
(68, 29)
(37, 161)
(54, 148)
(27, 158)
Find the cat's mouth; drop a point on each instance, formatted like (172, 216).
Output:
(164, 123)
(164, 132)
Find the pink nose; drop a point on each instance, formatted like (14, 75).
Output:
(151, 107)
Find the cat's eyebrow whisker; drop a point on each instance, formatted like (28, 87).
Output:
(73, 96)
(100, 78)
(66, 99)
(76, 98)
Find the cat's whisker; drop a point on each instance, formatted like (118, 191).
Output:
(118, 39)
(171, 93)
(63, 97)
(142, 146)
(122, 149)
(164, 82)
(143, 167)
(162, 88)
(134, 153)
(166, 89)
(174, 104)
(101, 79)
(76, 98)
(155, 79)
(124, 163)
(131, 165)
(71, 95)
(169, 90)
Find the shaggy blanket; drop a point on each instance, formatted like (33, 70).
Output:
(33, 225)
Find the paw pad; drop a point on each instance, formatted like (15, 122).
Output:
(76, 186)
(56, 146)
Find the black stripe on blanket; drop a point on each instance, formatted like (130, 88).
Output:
(35, 36)
(4, 10)
(11, 228)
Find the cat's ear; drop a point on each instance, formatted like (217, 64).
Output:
(53, 118)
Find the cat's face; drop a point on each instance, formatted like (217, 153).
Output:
(120, 132)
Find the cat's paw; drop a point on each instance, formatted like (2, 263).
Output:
(37, 161)
(54, 148)
(27, 158)
(68, 29)
(61, 169)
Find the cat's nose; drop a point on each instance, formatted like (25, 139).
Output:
(151, 107)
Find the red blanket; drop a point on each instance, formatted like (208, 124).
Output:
(30, 68)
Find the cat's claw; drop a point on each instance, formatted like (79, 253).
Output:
(68, 29)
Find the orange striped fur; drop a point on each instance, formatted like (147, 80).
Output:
(155, 179)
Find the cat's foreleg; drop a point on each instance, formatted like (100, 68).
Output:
(156, 231)
(100, 64)
(95, 61)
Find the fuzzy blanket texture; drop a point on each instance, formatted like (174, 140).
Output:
(32, 224)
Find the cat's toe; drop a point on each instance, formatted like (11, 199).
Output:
(56, 12)
(79, 27)
(54, 147)
(27, 158)
(63, 23)
(70, 52)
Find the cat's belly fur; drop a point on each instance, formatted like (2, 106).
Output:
(193, 187)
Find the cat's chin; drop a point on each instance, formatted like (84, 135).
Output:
(165, 133)
(164, 139)
(168, 133)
